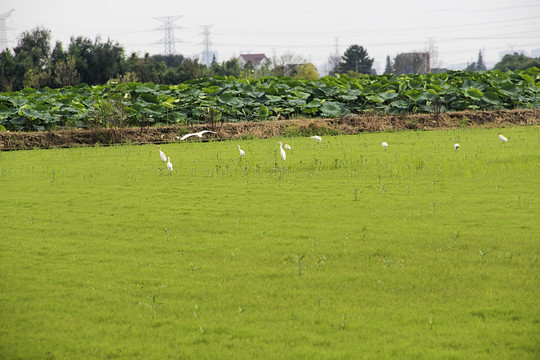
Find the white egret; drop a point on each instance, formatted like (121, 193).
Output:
(162, 154)
(288, 147)
(502, 138)
(316, 137)
(199, 134)
(169, 164)
(456, 146)
(242, 152)
(283, 155)
(384, 145)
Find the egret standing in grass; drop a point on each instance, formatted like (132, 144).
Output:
(283, 155)
(456, 146)
(502, 138)
(384, 145)
(199, 134)
(287, 146)
(317, 138)
(162, 154)
(169, 164)
(242, 152)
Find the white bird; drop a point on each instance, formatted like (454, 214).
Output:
(384, 145)
(502, 138)
(199, 134)
(456, 146)
(169, 164)
(288, 147)
(283, 155)
(242, 152)
(162, 154)
(316, 137)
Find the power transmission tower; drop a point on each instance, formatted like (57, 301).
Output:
(206, 53)
(3, 30)
(168, 27)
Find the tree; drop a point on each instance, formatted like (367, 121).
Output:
(480, 65)
(388, 67)
(283, 63)
(333, 64)
(356, 59)
(306, 72)
(516, 61)
(477, 65)
(35, 46)
(97, 61)
(411, 63)
(32, 59)
(7, 71)
(65, 72)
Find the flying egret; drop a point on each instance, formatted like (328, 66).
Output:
(287, 146)
(283, 155)
(169, 164)
(316, 137)
(384, 145)
(162, 154)
(242, 152)
(199, 134)
(456, 146)
(502, 138)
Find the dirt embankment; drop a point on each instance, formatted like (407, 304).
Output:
(298, 127)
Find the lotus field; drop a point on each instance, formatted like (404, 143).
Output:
(230, 99)
(344, 250)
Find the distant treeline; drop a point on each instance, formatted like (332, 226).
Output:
(34, 63)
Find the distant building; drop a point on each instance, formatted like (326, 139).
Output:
(256, 60)
(412, 63)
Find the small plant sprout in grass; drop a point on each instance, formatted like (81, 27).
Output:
(363, 233)
(152, 304)
(344, 321)
(356, 196)
(299, 263)
(453, 239)
(483, 255)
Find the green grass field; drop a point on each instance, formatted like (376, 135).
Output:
(342, 251)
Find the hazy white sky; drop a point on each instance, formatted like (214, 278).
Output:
(458, 28)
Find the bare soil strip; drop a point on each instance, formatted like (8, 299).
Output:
(346, 125)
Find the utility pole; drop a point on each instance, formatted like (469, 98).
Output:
(206, 53)
(3, 30)
(168, 27)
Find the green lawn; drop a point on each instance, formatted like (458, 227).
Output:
(342, 251)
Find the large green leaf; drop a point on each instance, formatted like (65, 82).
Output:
(331, 109)
(474, 94)
(226, 98)
(491, 97)
(416, 95)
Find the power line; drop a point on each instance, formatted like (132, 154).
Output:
(207, 54)
(3, 30)
(168, 27)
